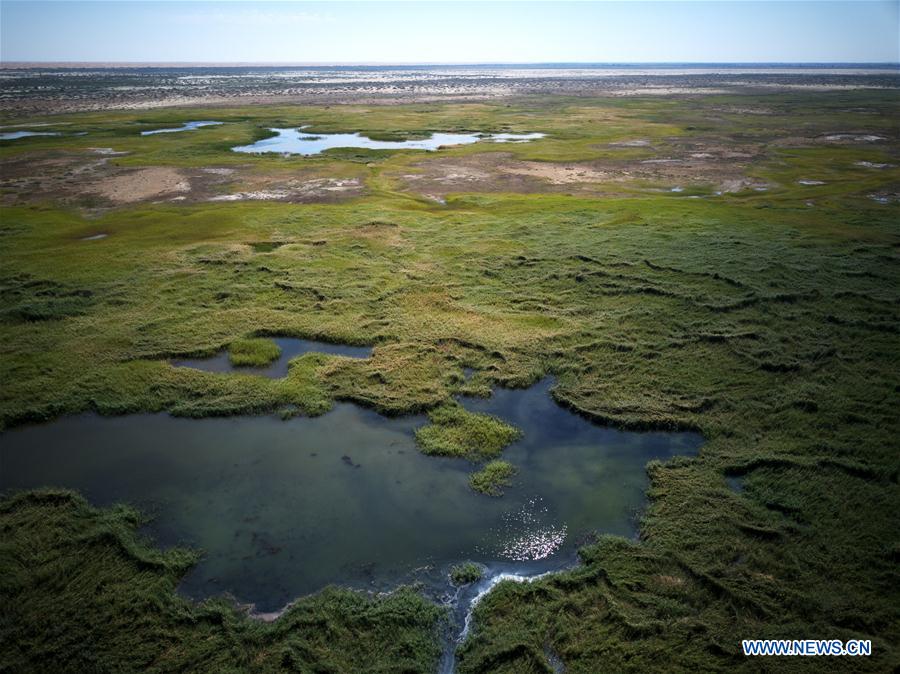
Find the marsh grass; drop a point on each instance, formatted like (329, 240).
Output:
(456, 432)
(492, 477)
(253, 352)
(466, 573)
(766, 324)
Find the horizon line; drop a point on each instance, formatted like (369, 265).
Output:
(58, 62)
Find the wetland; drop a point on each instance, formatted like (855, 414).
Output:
(282, 509)
(295, 141)
(646, 360)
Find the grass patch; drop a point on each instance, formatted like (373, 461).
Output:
(492, 478)
(466, 573)
(253, 352)
(456, 432)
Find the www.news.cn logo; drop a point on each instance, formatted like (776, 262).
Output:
(806, 647)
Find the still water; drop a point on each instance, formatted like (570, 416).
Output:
(283, 508)
(15, 135)
(296, 141)
(187, 126)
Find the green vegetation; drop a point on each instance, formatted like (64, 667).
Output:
(767, 320)
(468, 572)
(492, 478)
(81, 592)
(454, 431)
(255, 352)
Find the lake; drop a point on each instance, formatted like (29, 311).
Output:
(187, 126)
(296, 141)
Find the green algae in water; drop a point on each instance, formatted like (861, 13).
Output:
(283, 508)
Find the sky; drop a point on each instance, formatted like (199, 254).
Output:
(447, 32)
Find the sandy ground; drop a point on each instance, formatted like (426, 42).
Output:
(140, 184)
(93, 180)
(300, 189)
(560, 174)
(676, 166)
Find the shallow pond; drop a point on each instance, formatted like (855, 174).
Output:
(15, 135)
(514, 137)
(290, 348)
(283, 508)
(187, 126)
(296, 141)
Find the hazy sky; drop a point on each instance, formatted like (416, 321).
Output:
(431, 32)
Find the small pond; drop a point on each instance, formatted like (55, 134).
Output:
(15, 135)
(290, 348)
(296, 141)
(187, 126)
(514, 137)
(283, 508)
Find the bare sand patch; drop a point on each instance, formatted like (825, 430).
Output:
(259, 195)
(873, 164)
(561, 174)
(740, 184)
(106, 151)
(92, 179)
(298, 190)
(637, 142)
(851, 138)
(140, 184)
(685, 164)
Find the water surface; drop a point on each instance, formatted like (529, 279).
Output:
(187, 126)
(514, 137)
(15, 135)
(296, 141)
(283, 508)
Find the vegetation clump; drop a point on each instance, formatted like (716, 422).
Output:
(254, 352)
(492, 478)
(466, 573)
(456, 432)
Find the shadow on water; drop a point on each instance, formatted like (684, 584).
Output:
(735, 483)
(290, 348)
(283, 508)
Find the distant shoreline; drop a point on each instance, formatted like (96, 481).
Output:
(888, 66)
(28, 89)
